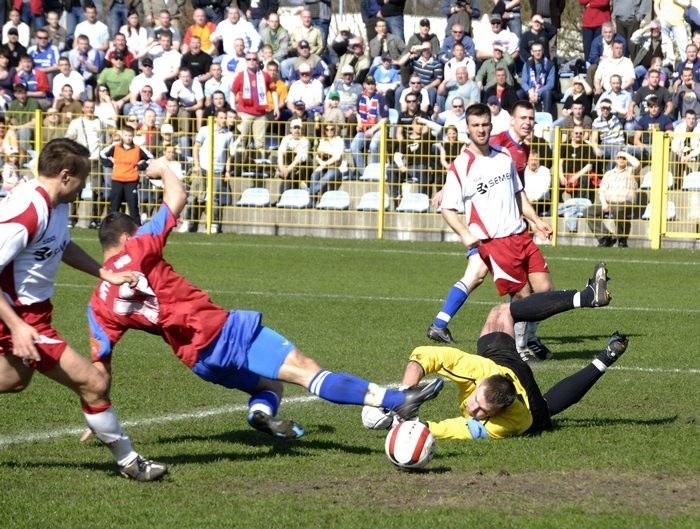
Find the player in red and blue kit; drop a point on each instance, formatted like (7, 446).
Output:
(229, 348)
(34, 239)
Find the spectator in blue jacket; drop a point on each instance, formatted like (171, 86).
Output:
(537, 80)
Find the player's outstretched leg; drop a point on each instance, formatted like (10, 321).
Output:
(572, 389)
(543, 305)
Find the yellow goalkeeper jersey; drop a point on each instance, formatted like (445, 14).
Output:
(466, 370)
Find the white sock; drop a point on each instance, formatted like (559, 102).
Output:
(520, 337)
(577, 300)
(600, 365)
(531, 330)
(375, 395)
(107, 429)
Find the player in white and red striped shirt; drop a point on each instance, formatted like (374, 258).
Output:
(484, 181)
(34, 239)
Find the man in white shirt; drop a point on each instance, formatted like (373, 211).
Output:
(189, 94)
(147, 77)
(65, 76)
(617, 64)
(167, 63)
(97, 32)
(218, 81)
(233, 27)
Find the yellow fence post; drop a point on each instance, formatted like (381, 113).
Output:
(556, 148)
(382, 179)
(209, 205)
(658, 167)
(38, 120)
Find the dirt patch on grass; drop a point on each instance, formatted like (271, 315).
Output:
(512, 493)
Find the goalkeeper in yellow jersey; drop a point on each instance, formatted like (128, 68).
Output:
(498, 395)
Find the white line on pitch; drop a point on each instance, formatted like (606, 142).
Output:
(201, 414)
(399, 299)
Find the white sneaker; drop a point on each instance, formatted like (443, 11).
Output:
(215, 228)
(184, 227)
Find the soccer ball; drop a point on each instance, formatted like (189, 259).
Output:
(410, 445)
(376, 418)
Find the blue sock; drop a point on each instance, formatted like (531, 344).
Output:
(393, 399)
(266, 401)
(456, 297)
(340, 388)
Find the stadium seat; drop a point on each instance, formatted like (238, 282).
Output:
(334, 200)
(393, 116)
(255, 197)
(647, 177)
(372, 173)
(670, 211)
(414, 203)
(691, 182)
(543, 124)
(370, 202)
(294, 199)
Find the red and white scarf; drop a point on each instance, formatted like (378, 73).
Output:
(259, 85)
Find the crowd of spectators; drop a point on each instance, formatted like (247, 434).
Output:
(114, 76)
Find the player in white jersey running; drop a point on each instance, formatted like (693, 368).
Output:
(34, 239)
(484, 181)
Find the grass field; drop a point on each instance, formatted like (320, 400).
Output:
(626, 456)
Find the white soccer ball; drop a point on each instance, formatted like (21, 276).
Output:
(410, 445)
(376, 418)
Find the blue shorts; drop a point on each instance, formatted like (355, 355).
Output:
(243, 352)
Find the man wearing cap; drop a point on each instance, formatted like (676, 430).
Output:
(289, 69)
(617, 194)
(457, 36)
(372, 113)
(14, 26)
(250, 88)
(234, 27)
(486, 74)
(356, 58)
(496, 34)
(118, 79)
(274, 35)
(424, 35)
(608, 134)
(385, 43)
(540, 31)
(146, 77)
(306, 90)
(500, 120)
(349, 91)
(13, 46)
(309, 33)
(388, 78)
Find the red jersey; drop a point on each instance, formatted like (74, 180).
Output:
(251, 98)
(162, 303)
(520, 152)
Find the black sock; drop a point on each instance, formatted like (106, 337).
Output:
(572, 389)
(540, 306)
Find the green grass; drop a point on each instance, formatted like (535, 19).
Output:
(626, 456)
